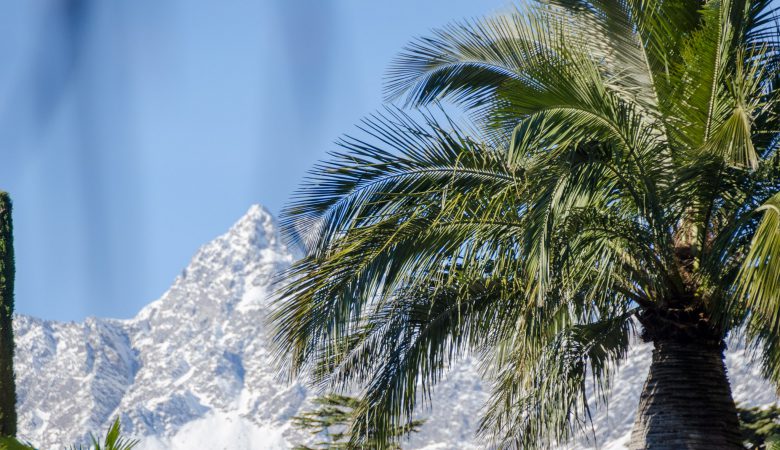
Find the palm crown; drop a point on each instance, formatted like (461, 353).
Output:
(618, 173)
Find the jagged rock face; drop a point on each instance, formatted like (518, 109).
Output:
(196, 359)
(202, 347)
(194, 369)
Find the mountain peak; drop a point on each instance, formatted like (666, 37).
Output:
(256, 214)
(246, 256)
(257, 227)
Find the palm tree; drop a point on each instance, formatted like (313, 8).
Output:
(617, 177)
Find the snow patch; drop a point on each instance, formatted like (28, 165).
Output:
(220, 431)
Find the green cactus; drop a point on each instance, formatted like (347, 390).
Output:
(7, 274)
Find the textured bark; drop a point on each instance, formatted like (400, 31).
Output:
(7, 275)
(686, 402)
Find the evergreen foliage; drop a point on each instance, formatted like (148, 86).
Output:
(7, 276)
(332, 421)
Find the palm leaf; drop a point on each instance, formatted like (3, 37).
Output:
(759, 278)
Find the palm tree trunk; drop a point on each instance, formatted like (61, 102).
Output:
(686, 402)
(7, 274)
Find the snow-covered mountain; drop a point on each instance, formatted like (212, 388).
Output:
(194, 370)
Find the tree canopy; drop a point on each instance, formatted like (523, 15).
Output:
(615, 172)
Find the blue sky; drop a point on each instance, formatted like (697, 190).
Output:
(133, 132)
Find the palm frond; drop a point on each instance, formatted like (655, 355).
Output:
(416, 337)
(377, 217)
(541, 401)
(332, 417)
(758, 282)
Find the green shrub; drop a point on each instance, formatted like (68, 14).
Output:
(760, 427)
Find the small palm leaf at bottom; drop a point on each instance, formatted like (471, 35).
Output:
(112, 441)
